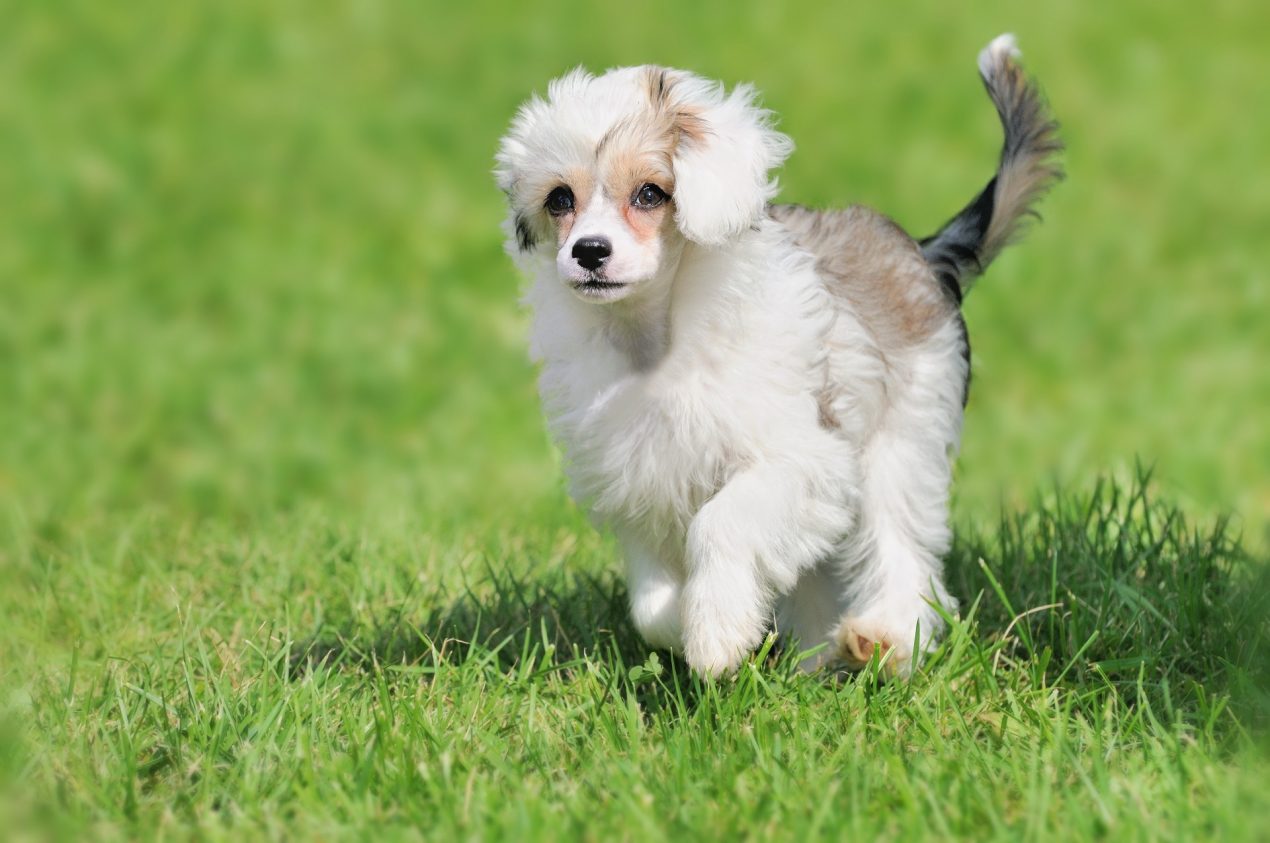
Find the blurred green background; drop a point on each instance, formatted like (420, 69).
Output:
(251, 260)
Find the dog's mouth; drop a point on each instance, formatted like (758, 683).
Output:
(595, 286)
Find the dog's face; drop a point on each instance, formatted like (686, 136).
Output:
(616, 173)
(610, 218)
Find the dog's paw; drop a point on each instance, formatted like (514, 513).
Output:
(712, 658)
(858, 639)
(725, 607)
(716, 643)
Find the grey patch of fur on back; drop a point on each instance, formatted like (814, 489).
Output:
(870, 262)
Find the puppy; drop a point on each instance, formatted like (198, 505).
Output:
(762, 401)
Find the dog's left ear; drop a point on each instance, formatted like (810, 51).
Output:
(725, 150)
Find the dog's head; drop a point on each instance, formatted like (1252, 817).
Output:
(616, 172)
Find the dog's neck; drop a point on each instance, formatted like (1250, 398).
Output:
(639, 327)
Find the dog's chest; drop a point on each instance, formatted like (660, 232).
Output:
(647, 447)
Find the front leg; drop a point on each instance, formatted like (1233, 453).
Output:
(654, 581)
(747, 546)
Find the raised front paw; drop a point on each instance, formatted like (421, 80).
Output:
(724, 621)
(717, 655)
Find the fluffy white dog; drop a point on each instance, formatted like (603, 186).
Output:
(762, 401)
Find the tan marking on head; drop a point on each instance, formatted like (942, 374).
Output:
(638, 152)
(681, 120)
(580, 180)
(564, 225)
(690, 125)
(658, 81)
(628, 169)
(648, 224)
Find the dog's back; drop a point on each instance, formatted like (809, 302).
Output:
(869, 263)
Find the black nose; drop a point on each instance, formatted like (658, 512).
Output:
(590, 252)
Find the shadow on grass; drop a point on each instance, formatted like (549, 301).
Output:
(514, 625)
(1110, 591)
(500, 619)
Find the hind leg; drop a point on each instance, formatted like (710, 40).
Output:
(893, 560)
(810, 614)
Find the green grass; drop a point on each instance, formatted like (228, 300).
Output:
(284, 550)
(318, 684)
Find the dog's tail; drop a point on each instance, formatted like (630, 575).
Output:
(961, 250)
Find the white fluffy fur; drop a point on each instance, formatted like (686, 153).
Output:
(1002, 47)
(687, 406)
(722, 187)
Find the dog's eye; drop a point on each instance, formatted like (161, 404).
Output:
(560, 201)
(649, 196)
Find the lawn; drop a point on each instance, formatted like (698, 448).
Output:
(284, 549)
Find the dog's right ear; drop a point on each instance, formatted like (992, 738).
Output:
(508, 173)
(532, 150)
(725, 151)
